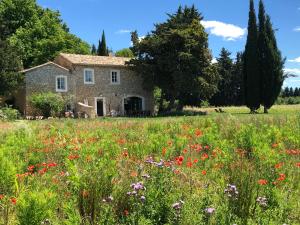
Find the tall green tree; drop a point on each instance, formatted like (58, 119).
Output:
(175, 58)
(224, 95)
(125, 52)
(102, 48)
(251, 64)
(39, 34)
(237, 80)
(271, 62)
(94, 50)
(10, 66)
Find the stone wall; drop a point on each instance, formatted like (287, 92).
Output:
(113, 94)
(43, 79)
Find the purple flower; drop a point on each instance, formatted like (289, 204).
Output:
(159, 164)
(149, 160)
(231, 191)
(210, 210)
(138, 186)
(143, 198)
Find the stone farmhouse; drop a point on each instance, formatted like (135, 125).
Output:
(96, 85)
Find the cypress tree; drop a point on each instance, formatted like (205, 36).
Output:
(102, 48)
(251, 64)
(273, 75)
(94, 50)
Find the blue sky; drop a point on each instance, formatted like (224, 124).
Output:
(225, 21)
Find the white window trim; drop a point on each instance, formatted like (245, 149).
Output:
(118, 77)
(66, 83)
(104, 105)
(93, 76)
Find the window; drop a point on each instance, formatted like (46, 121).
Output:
(88, 76)
(115, 77)
(61, 83)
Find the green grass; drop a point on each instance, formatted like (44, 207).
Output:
(65, 171)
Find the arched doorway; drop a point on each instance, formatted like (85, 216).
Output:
(133, 105)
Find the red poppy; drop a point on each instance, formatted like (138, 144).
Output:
(297, 164)
(278, 165)
(185, 151)
(198, 133)
(126, 212)
(281, 177)
(204, 156)
(72, 157)
(189, 164)
(180, 158)
(203, 172)
(195, 160)
(30, 168)
(262, 182)
(52, 165)
(13, 201)
(1, 197)
(275, 145)
(164, 150)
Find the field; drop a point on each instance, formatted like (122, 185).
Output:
(224, 168)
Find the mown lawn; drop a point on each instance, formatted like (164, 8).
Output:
(231, 168)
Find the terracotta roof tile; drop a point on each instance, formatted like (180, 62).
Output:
(95, 60)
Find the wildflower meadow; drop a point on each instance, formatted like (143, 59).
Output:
(220, 169)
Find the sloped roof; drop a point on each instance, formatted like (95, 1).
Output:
(45, 64)
(95, 60)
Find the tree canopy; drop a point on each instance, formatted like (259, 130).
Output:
(39, 34)
(125, 52)
(175, 57)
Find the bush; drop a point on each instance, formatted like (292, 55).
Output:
(34, 208)
(8, 113)
(49, 104)
(288, 101)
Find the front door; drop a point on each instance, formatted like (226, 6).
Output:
(100, 111)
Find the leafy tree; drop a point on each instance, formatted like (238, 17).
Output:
(237, 80)
(291, 92)
(38, 33)
(251, 64)
(225, 68)
(15, 14)
(271, 62)
(286, 92)
(10, 65)
(296, 92)
(125, 52)
(102, 48)
(175, 58)
(94, 50)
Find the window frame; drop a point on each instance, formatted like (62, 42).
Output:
(118, 77)
(66, 83)
(93, 76)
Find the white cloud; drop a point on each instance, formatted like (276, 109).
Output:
(294, 71)
(214, 60)
(123, 31)
(297, 60)
(297, 29)
(229, 32)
